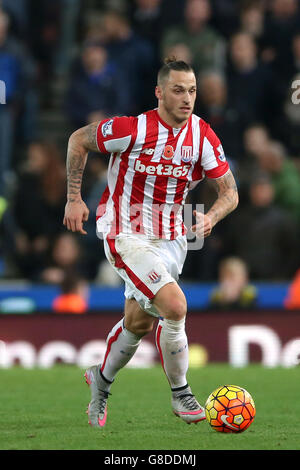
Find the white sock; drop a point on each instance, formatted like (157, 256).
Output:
(121, 346)
(172, 345)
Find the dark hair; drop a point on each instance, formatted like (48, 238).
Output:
(171, 63)
(116, 13)
(70, 281)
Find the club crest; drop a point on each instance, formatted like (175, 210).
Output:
(154, 277)
(186, 153)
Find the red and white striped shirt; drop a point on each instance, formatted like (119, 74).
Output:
(151, 170)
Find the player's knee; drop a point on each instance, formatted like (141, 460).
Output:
(171, 303)
(177, 309)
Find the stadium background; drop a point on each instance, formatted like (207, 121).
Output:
(66, 63)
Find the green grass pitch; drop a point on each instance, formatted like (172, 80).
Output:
(45, 410)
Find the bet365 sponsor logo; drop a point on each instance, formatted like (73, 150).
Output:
(296, 94)
(2, 92)
(175, 171)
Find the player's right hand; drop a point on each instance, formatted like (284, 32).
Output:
(76, 213)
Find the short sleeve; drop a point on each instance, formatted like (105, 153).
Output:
(213, 160)
(114, 135)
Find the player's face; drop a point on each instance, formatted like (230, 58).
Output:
(177, 96)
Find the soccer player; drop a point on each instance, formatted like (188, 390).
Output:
(155, 158)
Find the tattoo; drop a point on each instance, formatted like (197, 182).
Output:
(80, 143)
(225, 182)
(90, 133)
(227, 199)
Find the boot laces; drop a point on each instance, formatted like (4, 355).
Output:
(102, 400)
(189, 401)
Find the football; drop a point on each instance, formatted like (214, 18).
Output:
(230, 408)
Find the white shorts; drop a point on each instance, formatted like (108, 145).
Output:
(145, 265)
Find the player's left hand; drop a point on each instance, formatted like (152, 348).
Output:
(203, 226)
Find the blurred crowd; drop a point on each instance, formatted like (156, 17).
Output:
(246, 55)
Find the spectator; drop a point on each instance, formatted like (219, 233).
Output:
(280, 26)
(3, 211)
(225, 17)
(285, 120)
(285, 178)
(296, 54)
(43, 37)
(92, 245)
(206, 44)
(288, 123)
(263, 235)
(17, 72)
(66, 255)
(70, 16)
(151, 17)
(214, 107)
(93, 27)
(18, 12)
(252, 17)
(38, 207)
(249, 81)
(234, 290)
(172, 12)
(255, 137)
(134, 56)
(40, 196)
(106, 276)
(73, 296)
(180, 51)
(147, 21)
(97, 88)
(292, 300)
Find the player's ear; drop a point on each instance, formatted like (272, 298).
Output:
(158, 92)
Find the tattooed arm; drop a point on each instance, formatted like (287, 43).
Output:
(80, 143)
(226, 202)
(227, 199)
